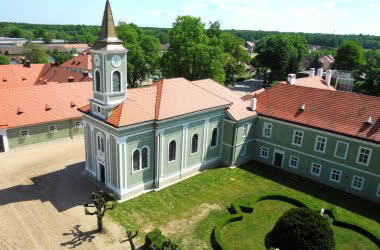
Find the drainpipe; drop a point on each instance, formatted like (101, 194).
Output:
(233, 145)
(71, 129)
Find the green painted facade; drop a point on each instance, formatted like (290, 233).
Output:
(40, 133)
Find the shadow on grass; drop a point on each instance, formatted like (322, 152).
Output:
(350, 202)
(79, 237)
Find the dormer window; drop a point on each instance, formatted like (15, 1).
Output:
(116, 81)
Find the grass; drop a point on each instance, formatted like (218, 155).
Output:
(187, 211)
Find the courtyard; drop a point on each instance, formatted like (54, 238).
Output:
(42, 190)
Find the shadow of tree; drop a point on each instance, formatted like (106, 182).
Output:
(79, 237)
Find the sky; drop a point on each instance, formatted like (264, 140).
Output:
(312, 16)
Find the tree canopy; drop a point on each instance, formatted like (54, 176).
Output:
(143, 54)
(367, 77)
(282, 54)
(35, 54)
(59, 57)
(3, 60)
(349, 56)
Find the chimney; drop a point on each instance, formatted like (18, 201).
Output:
(312, 72)
(328, 77)
(254, 103)
(320, 72)
(71, 79)
(27, 64)
(292, 79)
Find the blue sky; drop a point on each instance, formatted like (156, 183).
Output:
(317, 16)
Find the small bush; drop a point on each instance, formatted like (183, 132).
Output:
(156, 241)
(301, 228)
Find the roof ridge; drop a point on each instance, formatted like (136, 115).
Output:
(193, 82)
(160, 86)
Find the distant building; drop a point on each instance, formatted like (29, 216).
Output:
(327, 61)
(251, 46)
(81, 64)
(312, 48)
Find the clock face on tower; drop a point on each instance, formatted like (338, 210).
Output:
(97, 60)
(116, 61)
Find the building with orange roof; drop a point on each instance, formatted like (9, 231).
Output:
(81, 64)
(147, 138)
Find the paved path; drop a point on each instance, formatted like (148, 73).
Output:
(248, 86)
(42, 190)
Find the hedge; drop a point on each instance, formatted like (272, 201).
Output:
(154, 240)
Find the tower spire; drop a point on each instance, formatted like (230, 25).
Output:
(107, 34)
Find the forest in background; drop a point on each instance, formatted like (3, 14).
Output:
(88, 34)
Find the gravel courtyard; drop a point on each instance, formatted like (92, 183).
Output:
(42, 190)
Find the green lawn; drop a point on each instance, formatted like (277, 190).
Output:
(187, 211)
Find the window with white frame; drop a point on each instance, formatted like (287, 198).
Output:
(264, 152)
(267, 130)
(140, 159)
(357, 182)
(320, 144)
(364, 156)
(24, 134)
(341, 149)
(194, 144)
(297, 137)
(214, 137)
(245, 130)
(100, 144)
(335, 175)
(52, 129)
(378, 190)
(316, 169)
(293, 161)
(243, 151)
(78, 124)
(172, 151)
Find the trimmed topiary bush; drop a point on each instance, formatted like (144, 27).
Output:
(301, 228)
(154, 240)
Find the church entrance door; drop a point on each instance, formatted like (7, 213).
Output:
(102, 173)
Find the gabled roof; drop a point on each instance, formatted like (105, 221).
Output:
(79, 62)
(21, 107)
(334, 111)
(166, 99)
(18, 75)
(312, 82)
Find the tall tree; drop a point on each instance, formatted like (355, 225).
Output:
(143, 55)
(3, 60)
(367, 77)
(60, 58)
(349, 56)
(35, 54)
(192, 54)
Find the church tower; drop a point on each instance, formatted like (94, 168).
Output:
(109, 60)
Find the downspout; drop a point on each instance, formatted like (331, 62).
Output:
(233, 146)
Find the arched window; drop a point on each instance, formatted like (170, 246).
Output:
(214, 138)
(116, 81)
(97, 81)
(172, 151)
(194, 144)
(145, 158)
(100, 143)
(136, 160)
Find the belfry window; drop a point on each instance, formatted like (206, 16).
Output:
(116, 81)
(97, 81)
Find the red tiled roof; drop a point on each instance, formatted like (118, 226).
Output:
(79, 62)
(312, 82)
(18, 75)
(42, 104)
(339, 112)
(163, 100)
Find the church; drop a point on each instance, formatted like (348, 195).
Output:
(149, 137)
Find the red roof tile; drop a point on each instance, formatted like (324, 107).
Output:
(83, 61)
(20, 107)
(339, 112)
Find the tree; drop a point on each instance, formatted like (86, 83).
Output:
(367, 77)
(143, 54)
(282, 54)
(192, 54)
(35, 54)
(301, 228)
(3, 60)
(349, 56)
(100, 200)
(60, 58)
(47, 37)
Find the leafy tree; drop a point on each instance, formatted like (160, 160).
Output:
(192, 54)
(3, 60)
(282, 54)
(61, 58)
(143, 55)
(367, 77)
(47, 37)
(35, 54)
(314, 58)
(349, 56)
(301, 228)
